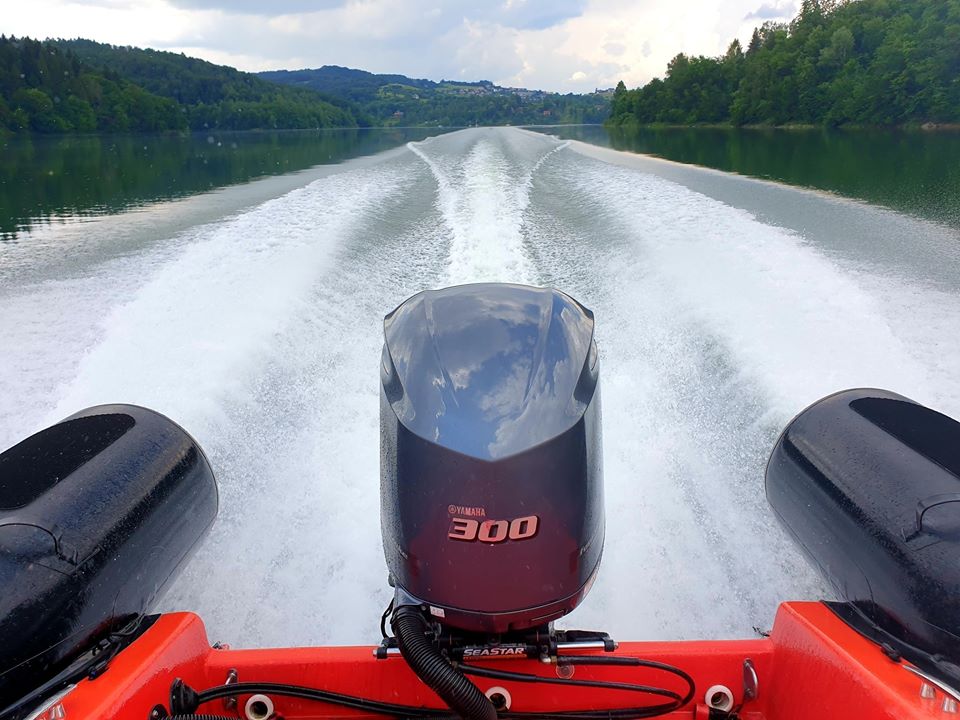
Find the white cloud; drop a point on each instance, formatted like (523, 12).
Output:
(615, 48)
(256, 7)
(779, 10)
(120, 22)
(483, 50)
(563, 45)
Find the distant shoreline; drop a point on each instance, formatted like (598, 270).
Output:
(9, 134)
(6, 136)
(908, 127)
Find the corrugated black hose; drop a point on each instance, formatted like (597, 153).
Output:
(410, 627)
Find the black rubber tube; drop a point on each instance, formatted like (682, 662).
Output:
(465, 698)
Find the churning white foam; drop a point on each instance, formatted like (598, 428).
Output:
(194, 332)
(483, 191)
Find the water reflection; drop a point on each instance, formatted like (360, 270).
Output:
(61, 179)
(916, 172)
(508, 358)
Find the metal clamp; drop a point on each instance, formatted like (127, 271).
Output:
(751, 683)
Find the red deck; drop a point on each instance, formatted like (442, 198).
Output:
(812, 666)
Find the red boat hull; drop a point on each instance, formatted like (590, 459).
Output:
(811, 666)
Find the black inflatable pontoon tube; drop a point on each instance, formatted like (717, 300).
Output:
(868, 483)
(98, 514)
(465, 698)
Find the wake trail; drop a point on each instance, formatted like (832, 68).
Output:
(714, 329)
(300, 538)
(193, 331)
(483, 193)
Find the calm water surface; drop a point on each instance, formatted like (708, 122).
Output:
(916, 172)
(60, 179)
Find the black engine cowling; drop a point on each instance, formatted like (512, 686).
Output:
(491, 481)
(97, 515)
(868, 483)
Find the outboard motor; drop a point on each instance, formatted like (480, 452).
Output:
(868, 484)
(491, 480)
(97, 515)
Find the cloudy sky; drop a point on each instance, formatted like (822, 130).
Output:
(562, 45)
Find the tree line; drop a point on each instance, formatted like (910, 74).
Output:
(82, 86)
(839, 62)
(402, 100)
(46, 90)
(451, 110)
(65, 86)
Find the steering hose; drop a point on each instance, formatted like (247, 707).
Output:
(410, 627)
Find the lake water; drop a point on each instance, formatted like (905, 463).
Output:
(252, 315)
(46, 180)
(915, 171)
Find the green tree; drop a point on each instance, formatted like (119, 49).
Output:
(838, 62)
(38, 107)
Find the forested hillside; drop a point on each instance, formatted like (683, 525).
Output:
(214, 95)
(400, 100)
(358, 86)
(46, 89)
(873, 62)
(83, 86)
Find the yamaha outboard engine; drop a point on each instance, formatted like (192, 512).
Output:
(491, 480)
(98, 513)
